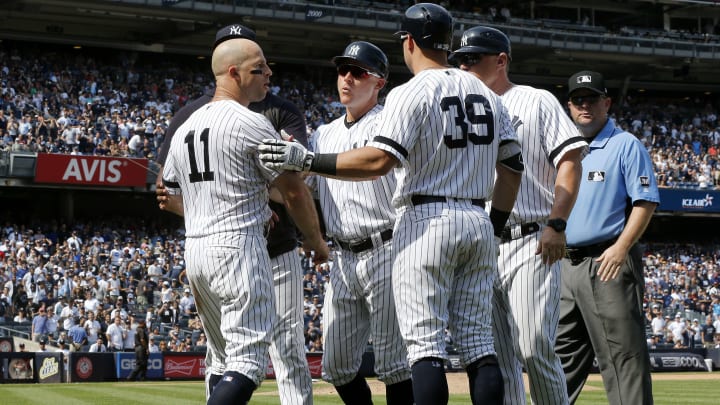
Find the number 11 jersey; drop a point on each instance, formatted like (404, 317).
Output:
(213, 162)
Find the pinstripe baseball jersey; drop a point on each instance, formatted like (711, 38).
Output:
(352, 209)
(214, 159)
(443, 125)
(541, 124)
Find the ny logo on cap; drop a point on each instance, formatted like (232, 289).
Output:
(463, 41)
(353, 51)
(584, 79)
(235, 30)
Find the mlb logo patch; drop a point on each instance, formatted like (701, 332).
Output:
(645, 181)
(598, 176)
(584, 79)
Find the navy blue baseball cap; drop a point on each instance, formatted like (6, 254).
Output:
(233, 31)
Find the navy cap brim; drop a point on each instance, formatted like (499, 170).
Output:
(233, 31)
(344, 60)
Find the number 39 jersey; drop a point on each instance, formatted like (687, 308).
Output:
(444, 126)
(213, 162)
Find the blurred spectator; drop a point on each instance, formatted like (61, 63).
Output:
(98, 346)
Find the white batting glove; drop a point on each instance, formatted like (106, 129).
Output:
(284, 155)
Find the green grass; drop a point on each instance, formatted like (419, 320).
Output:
(673, 392)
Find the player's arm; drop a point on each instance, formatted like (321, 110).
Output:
(509, 168)
(567, 184)
(300, 206)
(360, 163)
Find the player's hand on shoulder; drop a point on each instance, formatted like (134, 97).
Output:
(279, 154)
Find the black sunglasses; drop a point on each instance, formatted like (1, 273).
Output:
(356, 72)
(468, 59)
(590, 99)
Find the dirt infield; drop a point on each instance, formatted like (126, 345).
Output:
(458, 383)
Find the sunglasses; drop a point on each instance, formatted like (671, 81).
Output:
(356, 72)
(590, 99)
(468, 59)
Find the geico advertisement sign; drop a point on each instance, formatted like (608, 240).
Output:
(153, 364)
(90, 170)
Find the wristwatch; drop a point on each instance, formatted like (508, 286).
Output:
(558, 224)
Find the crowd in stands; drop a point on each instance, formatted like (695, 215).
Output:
(536, 15)
(71, 103)
(682, 295)
(113, 273)
(76, 285)
(55, 278)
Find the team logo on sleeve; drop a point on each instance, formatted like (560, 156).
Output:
(597, 176)
(645, 181)
(516, 122)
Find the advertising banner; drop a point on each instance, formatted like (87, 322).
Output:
(184, 365)
(6, 344)
(49, 367)
(125, 362)
(17, 367)
(92, 367)
(91, 170)
(688, 200)
(677, 361)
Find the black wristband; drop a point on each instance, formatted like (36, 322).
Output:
(324, 163)
(498, 219)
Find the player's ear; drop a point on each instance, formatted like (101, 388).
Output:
(502, 60)
(380, 84)
(234, 72)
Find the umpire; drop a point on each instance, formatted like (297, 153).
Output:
(602, 275)
(141, 352)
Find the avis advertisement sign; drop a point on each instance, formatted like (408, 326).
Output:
(126, 363)
(91, 170)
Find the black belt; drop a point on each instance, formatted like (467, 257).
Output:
(365, 244)
(579, 253)
(419, 199)
(518, 231)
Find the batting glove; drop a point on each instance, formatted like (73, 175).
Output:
(284, 155)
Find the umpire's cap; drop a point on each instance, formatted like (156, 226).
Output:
(365, 55)
(233, 31)
(483, 40)
(430, 26)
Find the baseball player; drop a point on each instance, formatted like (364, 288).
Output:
(224, 199)
(359, 217)
(527, 291)
(446, 133)
(287, 350)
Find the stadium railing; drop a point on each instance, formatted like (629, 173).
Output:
(546, 33)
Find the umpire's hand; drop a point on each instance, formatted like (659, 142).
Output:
(284, 155)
